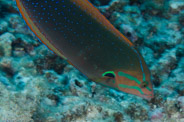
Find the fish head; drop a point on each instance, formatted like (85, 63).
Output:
(130, 82)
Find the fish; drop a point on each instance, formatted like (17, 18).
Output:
(76, 31)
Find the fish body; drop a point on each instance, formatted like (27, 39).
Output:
(78, 32)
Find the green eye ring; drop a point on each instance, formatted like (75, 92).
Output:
(110, 74)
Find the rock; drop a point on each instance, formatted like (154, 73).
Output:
(157, 115)
(5, 43)
(3, 26)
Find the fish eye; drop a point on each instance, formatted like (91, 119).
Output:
(144, 84)
(109, 74)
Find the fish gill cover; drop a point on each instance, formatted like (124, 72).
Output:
(38, 85)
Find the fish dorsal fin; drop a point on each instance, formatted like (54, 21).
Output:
(95, 13)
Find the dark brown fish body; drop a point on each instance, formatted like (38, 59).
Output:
(76, 30)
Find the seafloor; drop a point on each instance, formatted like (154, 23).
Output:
(37, 85)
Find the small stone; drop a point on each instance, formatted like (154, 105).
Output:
(7, 68)
(79, 84)
(54, 98)
(5, 43)
(181, 102)
(156, 114)
(118, 117)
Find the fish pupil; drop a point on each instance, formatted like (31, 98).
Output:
(110, 75)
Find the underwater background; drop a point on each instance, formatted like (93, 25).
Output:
(37, 85)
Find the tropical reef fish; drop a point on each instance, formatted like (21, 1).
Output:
(78, 32)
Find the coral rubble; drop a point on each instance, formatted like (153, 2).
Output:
(37, 85)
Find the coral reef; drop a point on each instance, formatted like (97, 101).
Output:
(37, 85)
